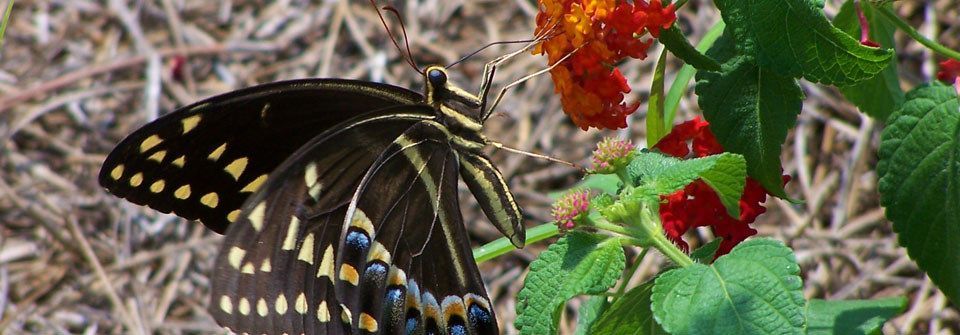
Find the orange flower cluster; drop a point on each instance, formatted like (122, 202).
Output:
(588, 37)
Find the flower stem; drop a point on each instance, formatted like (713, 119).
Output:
(630, 273)
(888, 13)
(502, 245)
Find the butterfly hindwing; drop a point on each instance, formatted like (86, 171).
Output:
(202, 161)
(404, 259)
(275, 269)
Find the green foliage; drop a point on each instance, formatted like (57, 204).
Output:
(852, 317)
(656, 128)
(704, 254)
(679, 87)
(753, 290)
(664, 175)
(589, 313)
(674, 41)
(630, 314)
(578, 263)
(750, 110)
(880, 95)
(795, 39)
(919, 171)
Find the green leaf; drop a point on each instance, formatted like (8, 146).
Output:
(605, 183)
(630, 314)
(880, 95)
(755, 289)
(655, 127)
(678, 44)
(794, 38)
(664, 174)
(578, 263)
(852, 317)
(750, 111)
(503, 245)
(704, 254)
(679, 87)
(589, 312)
(919, 171)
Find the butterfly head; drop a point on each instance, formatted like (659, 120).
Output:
(458, 109)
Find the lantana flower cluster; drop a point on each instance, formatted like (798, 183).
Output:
(697, 205)
(570, 208)
(587, 38)
(949, 71)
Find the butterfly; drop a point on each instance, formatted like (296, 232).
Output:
(338, 199)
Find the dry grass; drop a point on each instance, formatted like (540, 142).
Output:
(76, 76)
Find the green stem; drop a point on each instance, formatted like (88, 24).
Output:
(6, 19)
(502, 245)
(913, 33)
(630, 273)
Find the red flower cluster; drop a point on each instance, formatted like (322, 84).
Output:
(949, 71)
(596, 34)
(697, 205)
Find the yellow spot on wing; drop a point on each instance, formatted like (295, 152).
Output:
(215, 155)
(150, 142)
(265, 267)
(136, 179)
(244, 306)
(117, 172)
(368, 323)
(210, 200)
(235, 256)
(360, 220)
(326, 265)
(345, 315)
(281, 305)
(310, 174)
(182, 192)
(254, 185)
(301, 304)
(306, 249)
(157, 186)
(262, 307)
(190, 123)
(290, 241)
(349, 274)
(232, 216)
(226, 305)
(158, 156)
(378, 252)
(180, 161)
(247, 268)
(323, 313)
(236, 167)
(256, 216)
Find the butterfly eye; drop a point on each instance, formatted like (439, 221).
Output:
(437, 77)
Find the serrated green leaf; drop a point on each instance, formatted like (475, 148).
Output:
(853, 317)
(750, 111)
(578, 263)
(919, 172)
(664, 174)
(880, 95)
(795, 39)
(630, 315)
(588, 314)
(755, 289)
(679, 86)
(705, 253)
(679, 46)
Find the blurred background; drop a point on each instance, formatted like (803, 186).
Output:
(76, 76)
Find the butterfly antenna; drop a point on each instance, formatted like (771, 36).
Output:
(406, 42)
(461, 60)
(499, 145)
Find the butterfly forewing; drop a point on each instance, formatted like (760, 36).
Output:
(202, 161)
(404, 258)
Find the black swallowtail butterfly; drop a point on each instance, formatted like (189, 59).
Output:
(338, 199)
